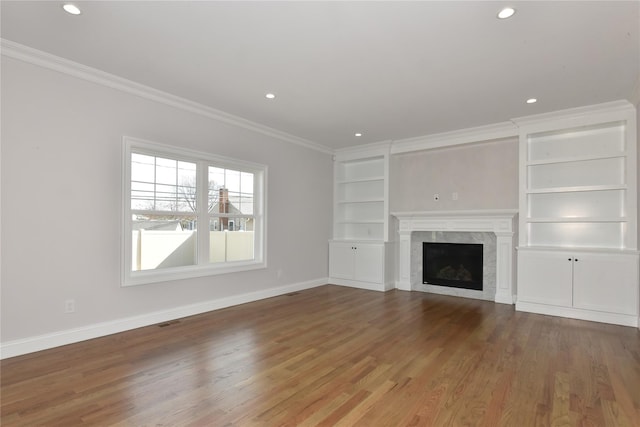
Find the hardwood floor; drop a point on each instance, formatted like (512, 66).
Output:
(337, 356)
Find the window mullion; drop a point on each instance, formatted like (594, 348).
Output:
(202, 203)
(259, 188)
(155, 183)
(176, 190)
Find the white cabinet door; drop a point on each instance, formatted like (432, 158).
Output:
(606, 282)
(342, 260)
(369, 262)
(545, 277)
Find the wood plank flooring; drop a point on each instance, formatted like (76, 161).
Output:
(335, 356)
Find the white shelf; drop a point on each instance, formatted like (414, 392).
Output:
(372, 200)
(576, 234)
(576, 159)
(359, 238)
(598, 140)
(360, 170)
(576, 220)
(381, 221)
(586, 173)
(576, 189)
(367, 179)
(598, 249)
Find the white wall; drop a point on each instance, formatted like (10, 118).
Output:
(485, 176)
(61, 203)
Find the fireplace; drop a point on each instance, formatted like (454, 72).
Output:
(456, 265)
(414, 228)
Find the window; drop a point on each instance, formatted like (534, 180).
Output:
(189, 214)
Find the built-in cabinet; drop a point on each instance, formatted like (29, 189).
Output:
(359, 253)
(593, 285)
(363, 262)
(577, 254)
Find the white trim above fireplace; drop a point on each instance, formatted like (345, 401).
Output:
(501, 222)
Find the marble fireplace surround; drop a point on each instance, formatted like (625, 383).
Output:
(500, 222)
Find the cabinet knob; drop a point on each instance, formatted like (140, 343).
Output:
(568, 259)
(576, 260)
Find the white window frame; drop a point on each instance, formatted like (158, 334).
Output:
(203, 267)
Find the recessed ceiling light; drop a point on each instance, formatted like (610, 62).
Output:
(358, 134)
(532, 101)
(71, 8)
(505, 13)
(270, 96)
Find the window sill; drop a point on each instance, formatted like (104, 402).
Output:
(179, 273)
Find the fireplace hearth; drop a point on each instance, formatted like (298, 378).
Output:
(456, 265)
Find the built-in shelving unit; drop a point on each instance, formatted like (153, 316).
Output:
(360, 198)
(358, 253)
(577, 255)
(575, 187)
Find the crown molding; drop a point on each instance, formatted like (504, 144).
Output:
(607, 111)
(463, 136)
(373, 149)
(46, 60)
(577, 115)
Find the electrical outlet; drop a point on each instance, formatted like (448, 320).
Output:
(454, 196)
(70, 306)
(436, 197)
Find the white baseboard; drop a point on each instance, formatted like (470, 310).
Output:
(576, 313)
(70, 336)
(403, 286)
(381, 287)
(504, 299)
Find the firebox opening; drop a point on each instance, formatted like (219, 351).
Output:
(457, 265)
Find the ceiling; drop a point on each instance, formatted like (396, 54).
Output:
(390, 70)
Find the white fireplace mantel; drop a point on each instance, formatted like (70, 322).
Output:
(501, 222)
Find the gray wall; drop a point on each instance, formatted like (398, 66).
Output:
(485, 176)
(61, 202)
